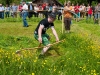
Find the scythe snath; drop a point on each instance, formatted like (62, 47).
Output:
(18, 51)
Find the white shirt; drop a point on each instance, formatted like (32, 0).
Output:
(36, 9)
(25, 7)
(83, 8)
(1, 8)
(7, 8)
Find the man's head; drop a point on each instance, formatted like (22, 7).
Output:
(0, 5)
(23, 2)
(51, 17)
(98, 4)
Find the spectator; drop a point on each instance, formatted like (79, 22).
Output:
(25, 14)
(90, 12)
(14, 10)
(20, 10)
(1, 11)
(77, 11)
(83, 11)
(67, 17)
(36, 9)
(97, 14)
(87, 9)
(30, 10)
(7, 11)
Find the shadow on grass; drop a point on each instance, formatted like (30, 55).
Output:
(51, 52)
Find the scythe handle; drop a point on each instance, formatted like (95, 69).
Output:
(18, 51)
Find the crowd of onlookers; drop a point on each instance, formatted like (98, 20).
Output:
(42, 10)
(38, 10)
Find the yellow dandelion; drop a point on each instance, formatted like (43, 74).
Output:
(36, 57)
(35, 60)
(54, 69)
(59, 71)
(64, 65)
(80, 67)
(33, 74)
(45, 60)
(44, 63)
(21, 63)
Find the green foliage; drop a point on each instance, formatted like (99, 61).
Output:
(76, 57)
(13, 43)
(75, 1)
(79, 54)
(4, 2)
(94, 3)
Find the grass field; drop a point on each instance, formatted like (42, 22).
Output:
(79, 54)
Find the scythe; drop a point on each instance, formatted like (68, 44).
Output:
(18, 51)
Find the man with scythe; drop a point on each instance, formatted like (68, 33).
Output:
(41, 35)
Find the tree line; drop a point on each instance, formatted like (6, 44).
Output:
(4, 2)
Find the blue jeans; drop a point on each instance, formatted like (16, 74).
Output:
(97, 15)
(2, 15)
(24, 15)
(89, 15)
(7, 14)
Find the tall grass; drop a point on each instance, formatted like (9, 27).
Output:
(77, 55)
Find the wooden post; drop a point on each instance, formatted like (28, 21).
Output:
(62, 23)
(98, 18)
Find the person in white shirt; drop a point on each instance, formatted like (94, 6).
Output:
(83, 10)
(36, 9)
(1, 11)
(24, 14)
(14, 10)
(7, 11)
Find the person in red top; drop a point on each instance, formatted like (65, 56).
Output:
(76, 9)
(90, 12)
(43, 5)
(20, 10)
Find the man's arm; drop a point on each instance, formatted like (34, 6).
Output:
(39, 33)
(55, 33)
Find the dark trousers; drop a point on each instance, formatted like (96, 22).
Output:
(7, 14)
(30, 14)
(67, 23)
(59, 15)
(36, 14)
(45, 14)
(2, 15)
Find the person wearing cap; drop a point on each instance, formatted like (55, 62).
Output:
(40, 32)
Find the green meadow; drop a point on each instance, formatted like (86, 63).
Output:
(78, 54)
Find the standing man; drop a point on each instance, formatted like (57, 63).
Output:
(83, 10)
(30, 10)
(77, 11)
(7, 11)
(14, 10)
(97, 14)
(67, 17)
(24, 14)
(1, 11)
(40, 32)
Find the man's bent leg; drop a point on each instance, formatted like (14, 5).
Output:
(45, 49)
(46, 43)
